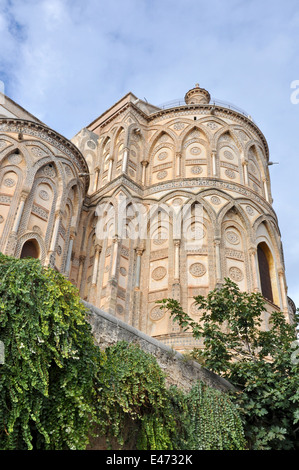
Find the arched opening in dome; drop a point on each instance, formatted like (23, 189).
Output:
(265, 262)
(30, 249)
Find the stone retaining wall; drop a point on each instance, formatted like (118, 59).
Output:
(108, 330)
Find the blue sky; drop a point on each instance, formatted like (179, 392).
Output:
(67, 61)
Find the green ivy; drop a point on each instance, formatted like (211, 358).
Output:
(46, 382)
(57, 388)
(132, 388)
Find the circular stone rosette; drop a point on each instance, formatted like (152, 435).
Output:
(161, 175)
(159, 273)
(156, 314)
(196, 170)
(44, 195)
(228, 155)
(235, 274)
(9, 182)
(232, 237)
(197, 269)
(215, 200)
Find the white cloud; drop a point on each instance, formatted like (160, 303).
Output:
(67, 61)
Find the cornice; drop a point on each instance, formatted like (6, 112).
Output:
(177, 184)
(50, 136)
(212, 110)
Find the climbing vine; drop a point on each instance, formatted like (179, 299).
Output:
(132, 387)
(57, 388)
(46, 382)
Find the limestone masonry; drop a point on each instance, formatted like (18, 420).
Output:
(145, 203)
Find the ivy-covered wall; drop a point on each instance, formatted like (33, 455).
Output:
(108, 330)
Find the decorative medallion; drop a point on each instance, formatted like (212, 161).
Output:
(162, 156)
(177, 201)
(156, 314)
(68, 171)
(38, 152)
(194, 309)
(49, 171)
(228, 155)
(249, 210)
(59, 250)
(178, 126)
(44, 195)
(197, 230)
(212, 125)
(195, 150)
(235, 274)
(91, 144)
(159, 273)
(196, 170)
(106, 269)
(1, 219)
(132, 172)
(9, 182)
(215, 200)
(161, 175)
(119, 309)
(197, 269)
(15, 158)
(232, 237)
(231, 174)
(123, 271)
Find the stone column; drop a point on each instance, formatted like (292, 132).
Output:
(96, 180)
(110, 169)
(114, 256)
(178, 156)
(19, 213)
(218, 261)
(81, 265)
(266, 189)
(50, 259)
(176, 260)
(69, 253)
(125, 160)
(98, 250)
(12, 239)
(253, 261)
(283, 290)
(245, 171)
(214, 163)
(139, 252)
(144, 164)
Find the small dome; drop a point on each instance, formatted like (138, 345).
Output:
(197, 95)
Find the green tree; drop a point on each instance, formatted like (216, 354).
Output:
(262, 365)
(47, 379)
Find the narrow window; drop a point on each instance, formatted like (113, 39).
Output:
(264, 257)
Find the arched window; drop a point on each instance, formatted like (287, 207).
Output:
(264, 260)
(30, 249)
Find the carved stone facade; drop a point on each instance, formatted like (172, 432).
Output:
(146, 203)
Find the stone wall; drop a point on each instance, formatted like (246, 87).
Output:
(108, 330)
